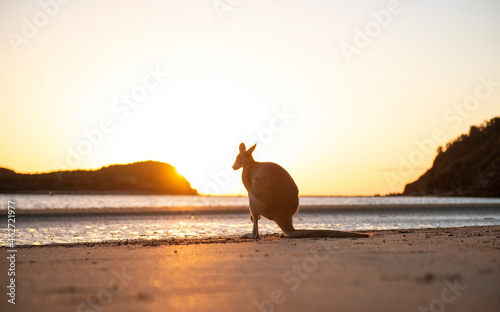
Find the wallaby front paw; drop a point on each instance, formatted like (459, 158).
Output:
(247, 235)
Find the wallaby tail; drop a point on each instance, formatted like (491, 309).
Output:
(325, 233)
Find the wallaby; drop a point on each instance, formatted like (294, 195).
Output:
(273, 194)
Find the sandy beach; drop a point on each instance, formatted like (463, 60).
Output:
(454, 269)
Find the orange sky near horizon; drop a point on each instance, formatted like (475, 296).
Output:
(352, 98)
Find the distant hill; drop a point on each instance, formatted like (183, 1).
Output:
(470, 166)
(147, 177)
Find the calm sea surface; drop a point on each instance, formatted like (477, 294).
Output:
(130, 201)
(380, 213)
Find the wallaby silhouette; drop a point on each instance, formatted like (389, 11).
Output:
(273, 194)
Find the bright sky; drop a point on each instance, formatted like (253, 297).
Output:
(351, 97)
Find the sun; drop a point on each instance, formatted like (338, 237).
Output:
(196, 126)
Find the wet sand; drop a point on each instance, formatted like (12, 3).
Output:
(455, 269)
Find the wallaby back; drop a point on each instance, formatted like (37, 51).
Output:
(273, 188)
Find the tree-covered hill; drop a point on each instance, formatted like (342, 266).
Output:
(470, 166)
(147, 177)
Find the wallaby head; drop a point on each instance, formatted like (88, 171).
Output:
(244, 157)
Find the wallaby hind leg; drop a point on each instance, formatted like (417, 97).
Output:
(286, 225)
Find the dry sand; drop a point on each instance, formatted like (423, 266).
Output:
(454, 269)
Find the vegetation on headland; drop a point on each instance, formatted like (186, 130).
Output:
(469, 166)
(147, 177)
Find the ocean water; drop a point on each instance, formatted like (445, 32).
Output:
(46, 201)
(375, 213)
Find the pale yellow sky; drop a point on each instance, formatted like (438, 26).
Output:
(352, 98)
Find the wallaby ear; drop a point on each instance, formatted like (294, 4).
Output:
(242, 148)
(251, 149)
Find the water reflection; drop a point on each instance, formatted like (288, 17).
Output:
(50, 230)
